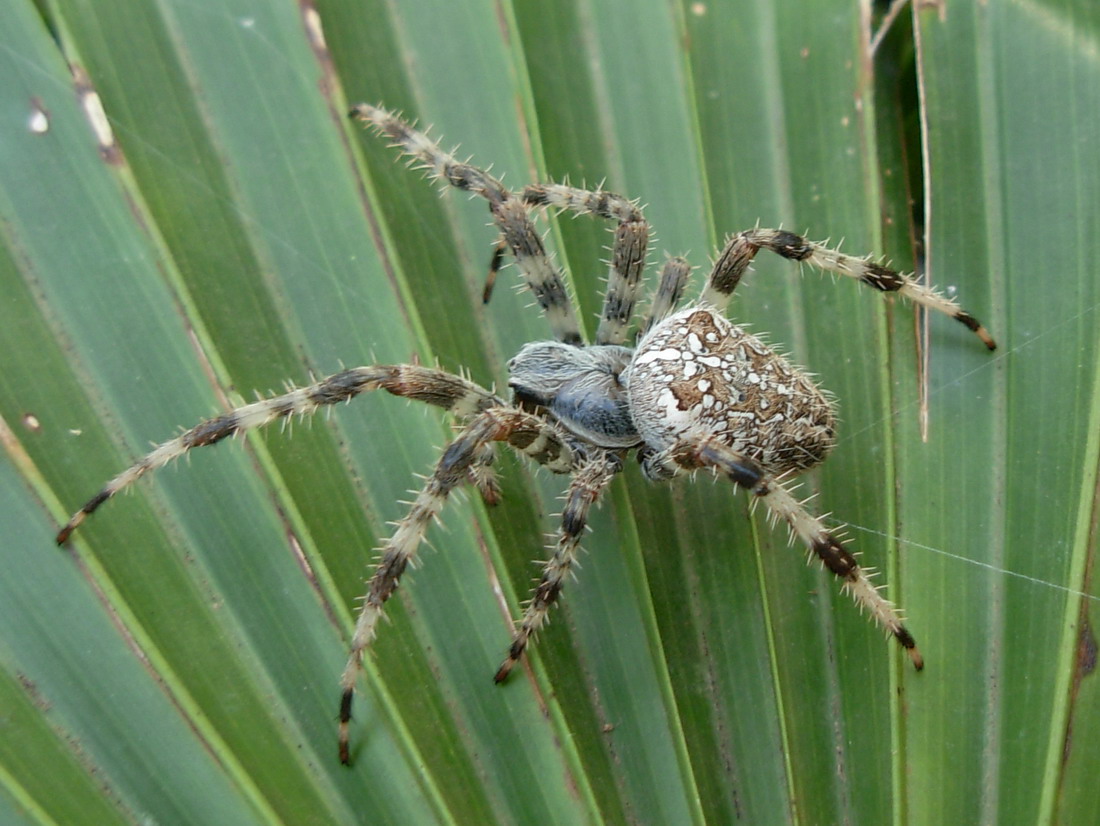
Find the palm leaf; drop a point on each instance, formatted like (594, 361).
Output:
(234, 230)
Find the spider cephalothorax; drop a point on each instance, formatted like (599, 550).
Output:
(695, 392)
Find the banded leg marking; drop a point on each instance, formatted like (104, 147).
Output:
(628, 254)
(741, 248)
(527, 433)
(587, 486)
(674, 277)
(496, 260)
(453, 393)
(509, 214)
(708, 452)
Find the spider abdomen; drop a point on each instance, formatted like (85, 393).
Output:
(697, 374)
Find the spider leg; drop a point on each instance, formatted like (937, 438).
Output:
(482, 476)
(528, 433)
(585, 489)
(495, 262)
(624, 282)
(674, 276)
(453, 393)
(710, 452)
(741, 248)
(509, 214)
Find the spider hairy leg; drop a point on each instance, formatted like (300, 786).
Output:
(495, 262)
(509, 214)
(461, 397)
(628, 253)
(585, 489)
(670, 288)
(740, 249)
(482, 476)
(710, 452)
(527, 433)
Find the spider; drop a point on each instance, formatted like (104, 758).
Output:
(694, 392)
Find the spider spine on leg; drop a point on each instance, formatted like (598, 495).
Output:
(509, 214)
(670, 289)
(710, 452)
(588, 484)
(628, 253)
(741, 248)
(527, 432)
(435, 387)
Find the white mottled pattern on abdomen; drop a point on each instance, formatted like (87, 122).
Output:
(696, 374)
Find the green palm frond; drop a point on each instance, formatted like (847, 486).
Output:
(227, 229)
